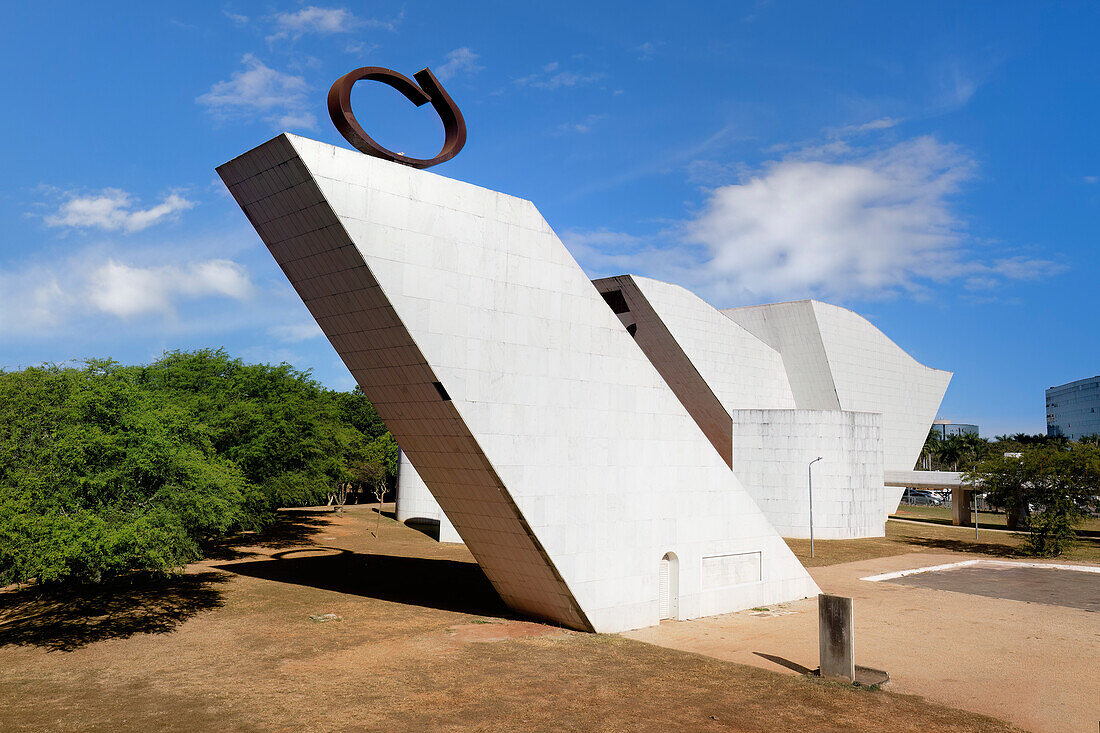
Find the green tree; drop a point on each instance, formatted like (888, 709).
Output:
(931, 449)
(1050, 486)
(108, 469)
(97, 479)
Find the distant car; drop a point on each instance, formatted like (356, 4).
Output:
(920, 497)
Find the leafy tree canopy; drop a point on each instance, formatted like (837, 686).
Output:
(107, 469)
(1051, 486)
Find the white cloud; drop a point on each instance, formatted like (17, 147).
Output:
(124, 290)
(237, 18)
(824, 223)
(461, 60)
(583, 126)
(1092, 179)
(647, 50)
(112, 209)
(361, 47)
(259, 89)
(73, 294)
(551, 77)
(296, 332)
(865, 226)
(325, 21)
(882, 123)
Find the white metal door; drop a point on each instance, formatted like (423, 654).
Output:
(662, 589)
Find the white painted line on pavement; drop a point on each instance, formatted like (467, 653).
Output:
(967, 563)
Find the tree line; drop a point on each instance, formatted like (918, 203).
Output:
(108, 469)
(1046, 485)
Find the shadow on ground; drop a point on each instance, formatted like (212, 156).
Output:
(64, 619)
(292, 527)
(448, 585)
(978, 548)
(793, 666)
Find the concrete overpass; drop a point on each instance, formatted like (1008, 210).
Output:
(961, 493)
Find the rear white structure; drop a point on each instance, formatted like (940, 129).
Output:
(837, 360)
(773, 387)
(415, 504)
(560, 454)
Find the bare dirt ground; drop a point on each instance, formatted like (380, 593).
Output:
(323, 626)
(1033, 664)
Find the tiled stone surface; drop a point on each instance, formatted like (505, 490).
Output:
(744, 372)
(837, 359)
(772, 450)
(563, 459)
(713, 363)
(683, 375)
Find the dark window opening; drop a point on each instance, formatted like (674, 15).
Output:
(632, 329)
(442, 392)
(616, 300)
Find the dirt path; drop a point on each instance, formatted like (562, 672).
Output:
(1033, 664)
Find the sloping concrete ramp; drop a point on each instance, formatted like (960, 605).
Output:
(569, 468)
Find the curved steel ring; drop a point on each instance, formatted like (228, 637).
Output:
(429, 90)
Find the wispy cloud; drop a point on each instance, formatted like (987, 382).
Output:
(583, 126)
(867, 223)
(361, 47)
(295, 332)
(647, 50)
(461, 60)
(237, 18)
(552, 77)
(113, 209)
(882, 123)
(1092, 179)
(325, 21)
(258, 90)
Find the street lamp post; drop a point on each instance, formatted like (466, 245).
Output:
(810, 482)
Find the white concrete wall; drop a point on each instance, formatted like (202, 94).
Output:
(837, 359)
(415, 501)
(562, 458)
(772, 450)
(871, 372)
(743, 371)
(790, 329)
(771, 447)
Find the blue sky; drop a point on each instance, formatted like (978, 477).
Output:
(933, 166)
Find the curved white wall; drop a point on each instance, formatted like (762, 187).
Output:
(415, 501)
(837, 359)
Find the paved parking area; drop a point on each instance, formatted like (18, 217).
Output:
(1052, 586)
(1031, 663)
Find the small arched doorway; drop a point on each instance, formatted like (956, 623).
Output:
(668, 586)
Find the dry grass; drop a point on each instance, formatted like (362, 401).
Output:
(420, 642)
(902, 537)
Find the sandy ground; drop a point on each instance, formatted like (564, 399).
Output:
(324, 626)
(1033, 664)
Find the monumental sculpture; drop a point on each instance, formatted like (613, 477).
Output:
(429, 90)
(574, 473)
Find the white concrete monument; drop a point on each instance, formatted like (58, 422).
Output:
(584, 488)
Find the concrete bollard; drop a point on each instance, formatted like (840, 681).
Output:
(836, 635)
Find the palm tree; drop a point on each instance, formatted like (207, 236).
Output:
(950, 451)
(930, 449)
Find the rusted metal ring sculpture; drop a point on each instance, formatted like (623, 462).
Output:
(429, 90)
